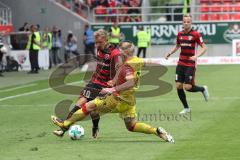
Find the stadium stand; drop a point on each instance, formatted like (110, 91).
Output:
(5, 19)
(215, 10)
(78, 6)
(102, 8)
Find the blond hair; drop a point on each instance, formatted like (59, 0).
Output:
(187, 15)
(127, 46)
(101, 33)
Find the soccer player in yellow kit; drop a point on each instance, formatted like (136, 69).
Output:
(120, 98)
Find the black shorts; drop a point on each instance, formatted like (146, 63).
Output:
(91, 91)
(185, 74)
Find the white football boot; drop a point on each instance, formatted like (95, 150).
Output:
(205, 93)
(162, 133)
(185, 110)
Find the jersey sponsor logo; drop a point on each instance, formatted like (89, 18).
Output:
(190, 37)
(186, 44)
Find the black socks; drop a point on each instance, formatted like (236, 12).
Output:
(196, 89)
(182, 97)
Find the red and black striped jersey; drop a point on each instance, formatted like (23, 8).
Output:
(105, 70)
(188, 43)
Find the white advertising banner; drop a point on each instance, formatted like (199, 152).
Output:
(200, 61)
(22, 57)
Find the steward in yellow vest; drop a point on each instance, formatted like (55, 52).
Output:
(115, 34)
(34, 45)
(47, 39)
(143, 39)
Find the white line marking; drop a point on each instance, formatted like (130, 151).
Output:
(19, 87)
(25, 94)
(35, 92)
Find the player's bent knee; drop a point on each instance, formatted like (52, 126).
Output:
(179, 86)
(130, 123)
(90, 106)
(187, 87)
(130, 128)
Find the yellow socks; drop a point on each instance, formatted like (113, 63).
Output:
(144, 128)
(77, 116)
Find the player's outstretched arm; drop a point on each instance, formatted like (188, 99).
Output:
(177, 46)
(130, 83)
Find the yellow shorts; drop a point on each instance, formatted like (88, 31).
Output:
(111, 104)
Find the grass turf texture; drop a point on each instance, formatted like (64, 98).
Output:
(212, 132)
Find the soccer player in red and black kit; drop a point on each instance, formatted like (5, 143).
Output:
(188, 39)
(108, 61)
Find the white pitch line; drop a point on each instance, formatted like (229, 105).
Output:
(19, 87)
(25, 94)
(35, 92)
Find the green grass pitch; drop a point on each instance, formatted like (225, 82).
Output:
(211, 133)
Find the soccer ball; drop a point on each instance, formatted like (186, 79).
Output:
(4, 49)
(76, 132)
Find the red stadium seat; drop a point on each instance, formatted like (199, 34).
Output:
(216, 7)
(214, 17)
(226, 16)
(236, 16)
(101, 10)
(237, 7)
(216, 1)
(204, 17)
(204, 7)
(205, 1)
(230, 1)
(227, 7)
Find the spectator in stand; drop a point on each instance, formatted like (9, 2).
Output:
(126, 3)
(112, 4)
(102, 3)
(122, 13)
(56, 45)
(133, 18)
(77, 7)
(70, 47)
(24, 28)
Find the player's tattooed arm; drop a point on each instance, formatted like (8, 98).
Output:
(130, 83)
(118, 61)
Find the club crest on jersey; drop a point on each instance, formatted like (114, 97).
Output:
(189, 37)
(106, 56)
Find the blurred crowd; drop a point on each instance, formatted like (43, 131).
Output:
(124, 10)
